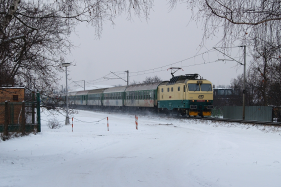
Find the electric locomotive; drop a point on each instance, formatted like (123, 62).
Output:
(188, 94)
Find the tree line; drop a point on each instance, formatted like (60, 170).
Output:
(34, 36)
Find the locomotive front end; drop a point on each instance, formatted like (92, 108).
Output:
(199, 95)
(186, 94)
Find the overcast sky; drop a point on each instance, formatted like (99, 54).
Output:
(138, 45)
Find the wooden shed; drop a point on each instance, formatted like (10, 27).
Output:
(11, 94)
(14, 96)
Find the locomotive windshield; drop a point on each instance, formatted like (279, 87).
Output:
(196, 87)
(206, 87)
(193, 87)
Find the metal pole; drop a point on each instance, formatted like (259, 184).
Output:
(6, 124)
(244, 82)
(38, 112)
(127, 77)
(23, 121)
(67, 117)
(84, 85)
(33, 107)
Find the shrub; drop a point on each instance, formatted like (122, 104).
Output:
(54, 124)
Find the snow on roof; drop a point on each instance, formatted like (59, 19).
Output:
(115, 89)
(76, 89)
(149, 86)
(18, 87)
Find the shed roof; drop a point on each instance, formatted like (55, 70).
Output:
(17, 87)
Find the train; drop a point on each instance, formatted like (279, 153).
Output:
(185, 94)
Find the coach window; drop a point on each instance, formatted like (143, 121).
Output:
(172, 89)
(184, 88)
(168, 89)
(162, 90)
(179, 88)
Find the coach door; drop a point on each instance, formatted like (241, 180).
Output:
(184, 92)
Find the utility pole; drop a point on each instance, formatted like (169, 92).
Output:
(127, 77)
(244, 81)
(79, 84)
(120, 77)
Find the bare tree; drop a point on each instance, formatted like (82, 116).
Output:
(237, 18)
(34, 35)
(264, 68)
(151, 80)
(254, 23)
(32, 53)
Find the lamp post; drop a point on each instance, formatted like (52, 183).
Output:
(67, 117)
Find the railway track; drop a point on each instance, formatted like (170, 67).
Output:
(174, 116)
(270, 123)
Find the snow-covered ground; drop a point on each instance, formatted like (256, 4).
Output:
(164, 152)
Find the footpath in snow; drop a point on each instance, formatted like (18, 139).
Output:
(163, 152)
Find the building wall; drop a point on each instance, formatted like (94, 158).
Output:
(15, 96)
(11, 94)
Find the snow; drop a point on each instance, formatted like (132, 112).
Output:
(164, 152)
(77, 88)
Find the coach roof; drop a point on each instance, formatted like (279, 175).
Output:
(138, 87)
(115, 89)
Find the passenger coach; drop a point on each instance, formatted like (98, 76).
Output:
(142, 95)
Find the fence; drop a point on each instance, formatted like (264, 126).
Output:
(20, 116)
(252, 113)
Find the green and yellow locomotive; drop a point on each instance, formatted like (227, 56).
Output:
(187, 94)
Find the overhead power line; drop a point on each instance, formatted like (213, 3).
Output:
(154, 70)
